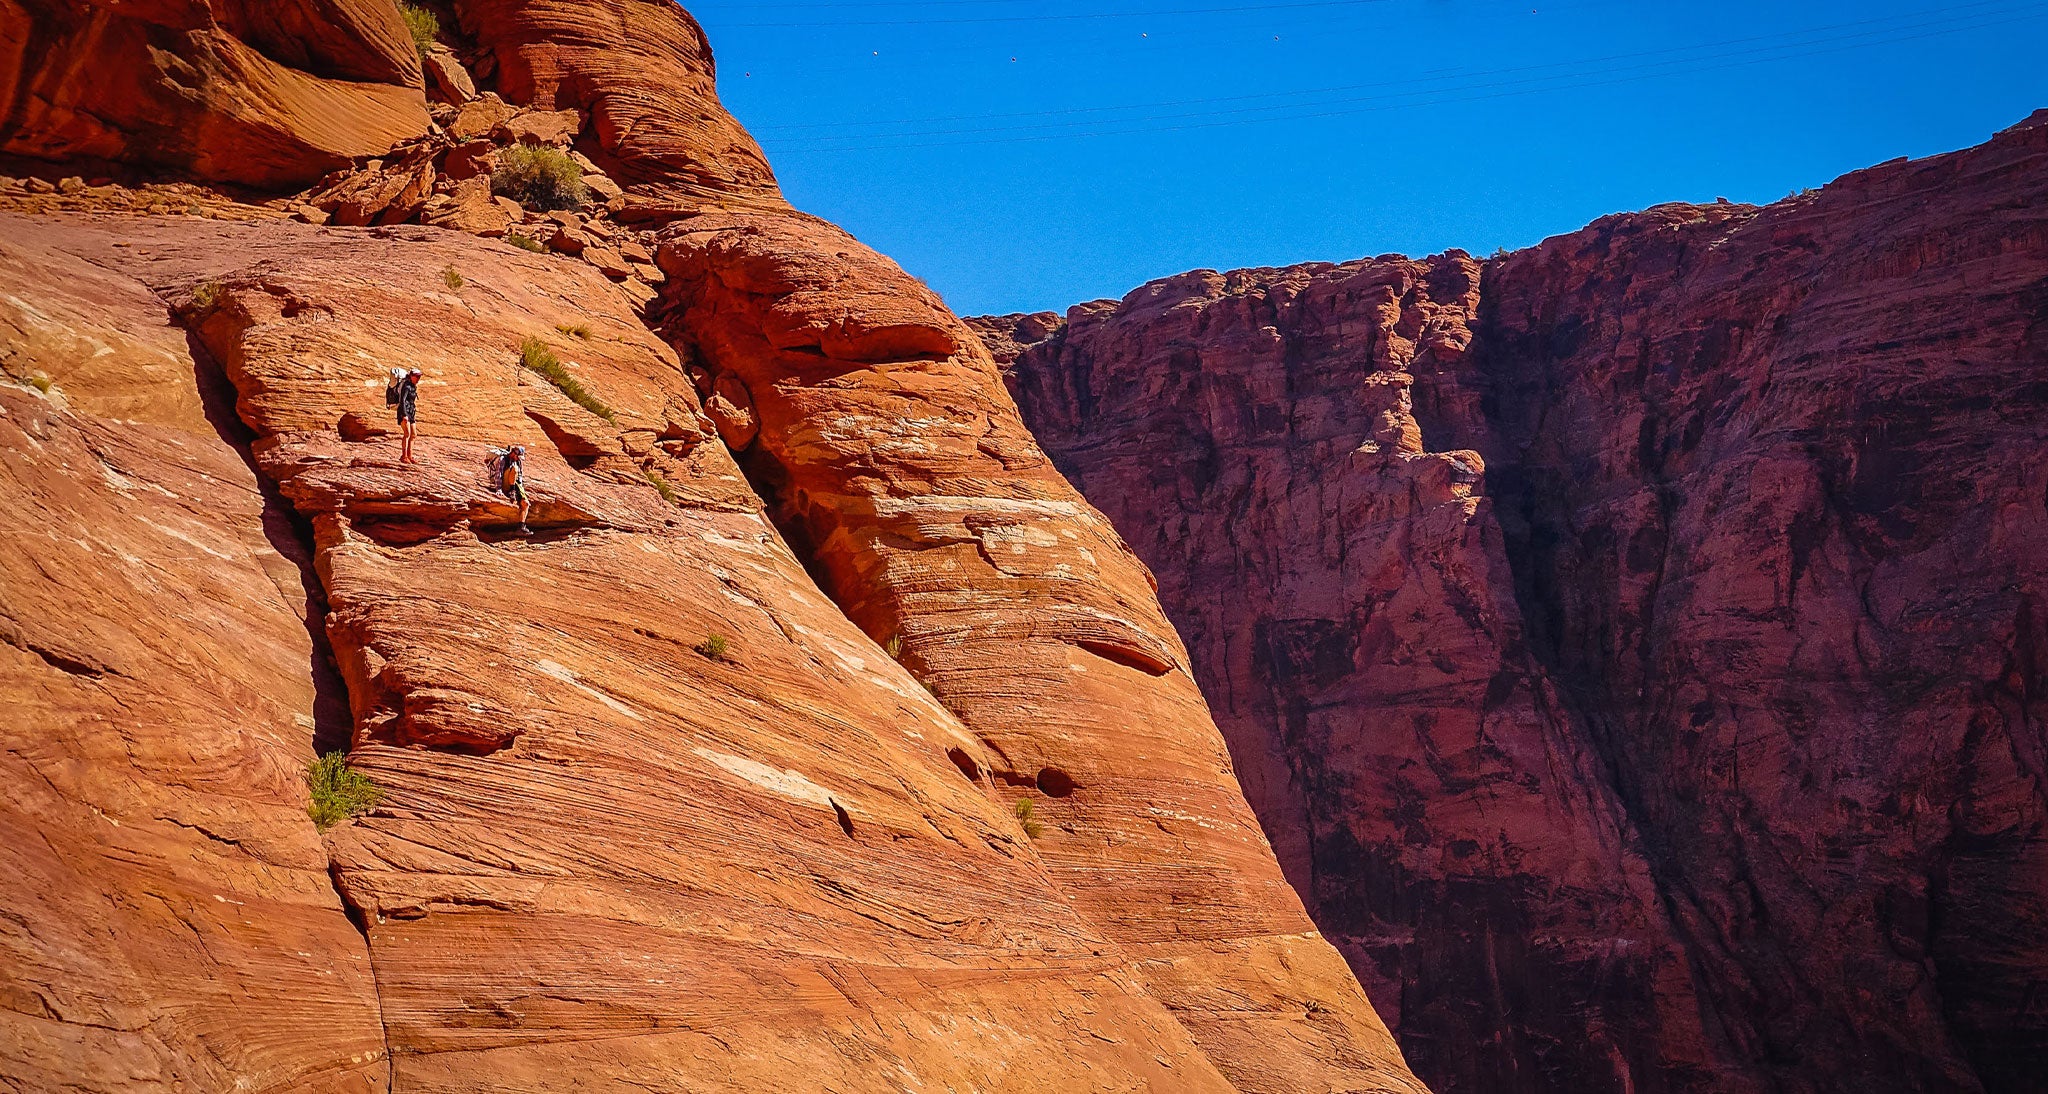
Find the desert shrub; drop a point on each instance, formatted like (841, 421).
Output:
(714, 646)
(661, 486)
(206, 296)
(1031, 826)
(894, 648)
(424, 25)
(40, 382)
(574, 330)
(525, 242)
(452, 277)
(537, 358)
(339, 791)
(542, 177)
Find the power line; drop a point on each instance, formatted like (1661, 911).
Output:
(1734, 60)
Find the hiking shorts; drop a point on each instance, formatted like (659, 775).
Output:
(408, 414)
(517, 492)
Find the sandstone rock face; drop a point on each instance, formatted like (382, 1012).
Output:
(610, 849)
(878, 428)
(254, 92)
(642, 70)
(1686, 735)
(171, 924)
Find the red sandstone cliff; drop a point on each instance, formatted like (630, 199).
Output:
(710, 784)
(1635, 646)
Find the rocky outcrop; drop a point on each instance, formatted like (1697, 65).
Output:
(877, 427)
(643, 71)
(262, 93)
(1632, 645)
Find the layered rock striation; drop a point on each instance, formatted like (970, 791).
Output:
(1632, 645)
(817, 737)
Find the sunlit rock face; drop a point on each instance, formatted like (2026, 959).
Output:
(1633, 646)
(817, 736)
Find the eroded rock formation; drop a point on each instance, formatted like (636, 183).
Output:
(1634, 645)
(264, 93)
(688, 790)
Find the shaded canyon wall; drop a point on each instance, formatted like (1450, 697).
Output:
(1633, 645)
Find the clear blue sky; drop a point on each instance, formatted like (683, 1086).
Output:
(1028, 155)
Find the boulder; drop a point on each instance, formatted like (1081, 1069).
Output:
(470, 208)
(550, 127)
(480, 116)
(449, 81)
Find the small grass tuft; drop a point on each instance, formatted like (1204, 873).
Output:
(714, 646)
(525, 242)
(424, 25)
(539, 176)
(574, 330)
(339, 791)
(452, 277)
(40, 382)
(894, 648)
(206, 296)
(537, 358)
(1031, 826)
(661, 486)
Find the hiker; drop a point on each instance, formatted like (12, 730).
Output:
(508, 476)
(404, 393)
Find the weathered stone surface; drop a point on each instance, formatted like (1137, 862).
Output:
(470, 208)
(552, 127)
(171, 924)
(761, 868)
(1689, 736)
(901, 472)
(381, 193)
(255, 92)
(480, 117)
(450, 81)
(643, 72)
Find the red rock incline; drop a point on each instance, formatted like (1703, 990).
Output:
(1689, 734)
(878, 427)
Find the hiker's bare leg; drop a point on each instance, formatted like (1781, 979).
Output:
(405, 449)
(524, 505)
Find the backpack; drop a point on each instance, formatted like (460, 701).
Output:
(495, 465)
(391, 389)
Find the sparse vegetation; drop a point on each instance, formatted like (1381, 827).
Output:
(894, 648)
(206, 296)
(574, 330)
(1031, 826)
(661, 486)
(714, 646)
(424, 25)
(339, 791)
(536, 357)
(538, 176)
(525, 242)
(40, 382)
(452, 277)
(1499, 253)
